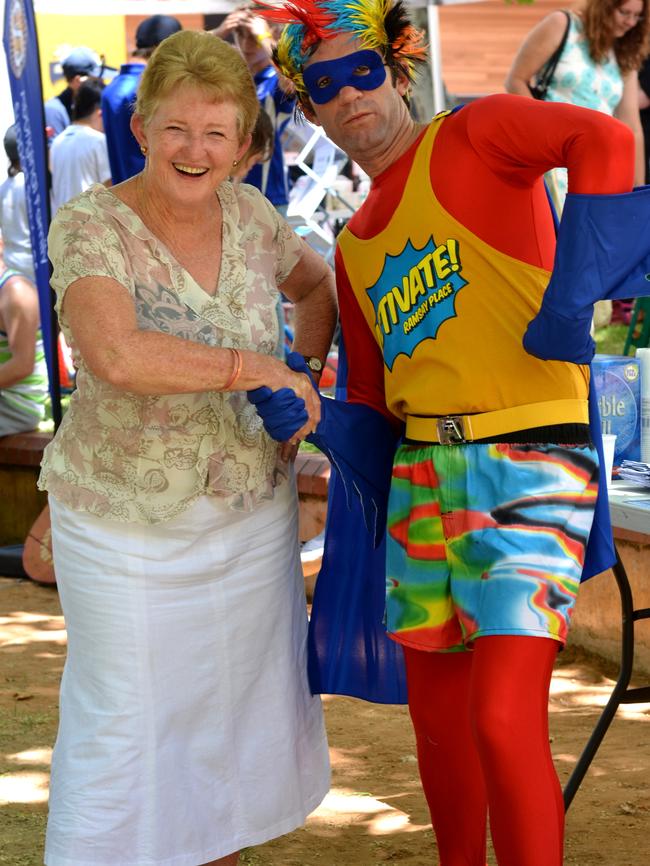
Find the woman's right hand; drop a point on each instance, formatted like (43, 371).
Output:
(303, 387)
(289, 404)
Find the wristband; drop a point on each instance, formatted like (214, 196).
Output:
(236, 369)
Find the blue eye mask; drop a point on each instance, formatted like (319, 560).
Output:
(364, 70)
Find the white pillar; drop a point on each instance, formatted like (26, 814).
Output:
(435, 56)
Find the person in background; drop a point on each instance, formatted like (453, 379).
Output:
(605, 47)
(78, 65)
(14, 225)
(187, 730)
(254, 38)
(260, 152)
(78, 157)
(23, 374)
(598, 68)
(261, 148)
(495, 480)
(118, 99)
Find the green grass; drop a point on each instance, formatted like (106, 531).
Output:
(611, 339)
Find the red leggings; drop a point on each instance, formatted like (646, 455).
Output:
(481, 726)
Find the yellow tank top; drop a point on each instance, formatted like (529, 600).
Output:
(449, 311)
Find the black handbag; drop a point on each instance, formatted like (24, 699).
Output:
(545, 75)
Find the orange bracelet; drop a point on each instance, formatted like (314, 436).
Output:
(236, 369)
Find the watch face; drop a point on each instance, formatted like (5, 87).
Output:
(314, 364)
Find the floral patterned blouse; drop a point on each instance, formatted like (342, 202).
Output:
(128, 457)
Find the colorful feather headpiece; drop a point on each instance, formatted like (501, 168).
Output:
(382, 25)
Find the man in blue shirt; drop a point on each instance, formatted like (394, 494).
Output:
(254, 40)
(118, 98)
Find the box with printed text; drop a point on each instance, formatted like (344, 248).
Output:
(617, 385)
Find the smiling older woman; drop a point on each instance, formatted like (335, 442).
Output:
(187, 728)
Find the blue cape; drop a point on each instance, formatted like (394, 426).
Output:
(349, 651)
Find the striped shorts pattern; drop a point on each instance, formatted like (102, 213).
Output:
(486, 539)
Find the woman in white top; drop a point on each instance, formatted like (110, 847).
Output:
(187, 728)
(14, 225)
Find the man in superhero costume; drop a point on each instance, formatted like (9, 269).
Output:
(447, 307)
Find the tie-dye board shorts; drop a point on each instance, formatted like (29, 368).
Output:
(486, 539)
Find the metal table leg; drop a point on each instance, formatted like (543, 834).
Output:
(620, 694)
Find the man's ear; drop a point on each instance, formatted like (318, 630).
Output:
(308, 110)
(402, 84)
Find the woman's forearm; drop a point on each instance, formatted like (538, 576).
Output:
(151, 363)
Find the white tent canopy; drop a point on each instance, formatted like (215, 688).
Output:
(152, 7)
(134, 7)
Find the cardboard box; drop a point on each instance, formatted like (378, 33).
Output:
(617, 383)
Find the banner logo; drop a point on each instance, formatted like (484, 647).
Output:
(18, 37)
(415, 294)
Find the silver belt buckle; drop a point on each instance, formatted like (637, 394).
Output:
(451, 430)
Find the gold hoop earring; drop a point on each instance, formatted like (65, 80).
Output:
(143, 150)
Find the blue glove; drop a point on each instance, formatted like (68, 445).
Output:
(359, 442)
(282, 412)
(603, 252)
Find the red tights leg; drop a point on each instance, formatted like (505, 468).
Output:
(452, 779)
(481, 723)
(511, 676)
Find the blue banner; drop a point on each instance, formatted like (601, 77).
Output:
(21, 47)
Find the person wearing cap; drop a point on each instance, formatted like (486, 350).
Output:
(77, 66)
(78, 157)
(467, 334)
(254, 39)
(118, 99)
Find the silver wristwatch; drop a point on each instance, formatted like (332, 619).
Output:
(315, 364)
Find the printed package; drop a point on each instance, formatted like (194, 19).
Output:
(617, 384)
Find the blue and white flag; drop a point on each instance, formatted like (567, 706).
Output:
(21, 47)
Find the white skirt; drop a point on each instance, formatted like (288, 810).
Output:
(187, 730)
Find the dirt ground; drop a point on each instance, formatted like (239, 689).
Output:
(375, 812)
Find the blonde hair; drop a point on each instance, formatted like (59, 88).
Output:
(204, 61)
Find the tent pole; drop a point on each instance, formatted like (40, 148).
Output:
(435, 57)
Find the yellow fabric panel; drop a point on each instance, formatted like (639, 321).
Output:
(450, 311)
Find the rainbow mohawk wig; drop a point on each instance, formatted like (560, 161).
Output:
(382, 25)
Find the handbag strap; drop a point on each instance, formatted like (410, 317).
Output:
(548, 70)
